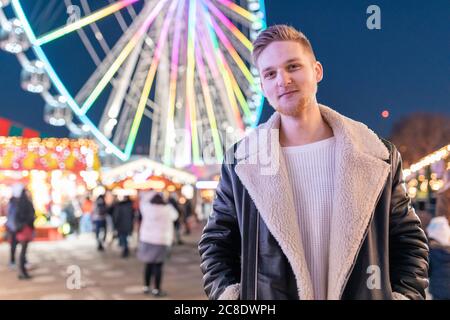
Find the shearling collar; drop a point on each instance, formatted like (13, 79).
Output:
(361, 174)
(352, 132)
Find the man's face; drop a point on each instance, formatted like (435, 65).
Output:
(289, 76)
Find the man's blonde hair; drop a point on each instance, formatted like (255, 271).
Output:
(279, 32)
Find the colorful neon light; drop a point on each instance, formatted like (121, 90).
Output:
(223, 38)
(121, 58)
(239, 10)
(60, 86)
(190, 76)
(95, 16)
(230, 26)
(209, 105)
(173, 85)
(214, 57)
(220, 62)
(150, 77)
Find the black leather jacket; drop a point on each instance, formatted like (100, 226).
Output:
(237, 247)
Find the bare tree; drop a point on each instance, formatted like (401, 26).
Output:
(419, 134)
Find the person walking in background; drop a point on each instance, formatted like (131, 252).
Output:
(25, 216)
(443, 198)
(439, 241)
(123, 218)
(188, 210)
(11, 222)
(85, 221)
(173, 201)
(438, 232)
(99, 219)
(155, 238)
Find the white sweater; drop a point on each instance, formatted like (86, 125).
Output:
(157, 221)
(311, 173)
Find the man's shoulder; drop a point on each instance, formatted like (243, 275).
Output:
(391, 147)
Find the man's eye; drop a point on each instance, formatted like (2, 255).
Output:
(269, 74)
(293, 66)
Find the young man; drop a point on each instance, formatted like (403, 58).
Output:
(330, 217)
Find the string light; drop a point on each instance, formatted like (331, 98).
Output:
(48, 154)
(428, 160)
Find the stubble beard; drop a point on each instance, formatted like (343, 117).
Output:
(295, 111)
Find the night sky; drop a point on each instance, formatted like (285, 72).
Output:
(404, 67)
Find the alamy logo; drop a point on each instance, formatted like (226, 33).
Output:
(374, 279)
(74, 13)
(374, 20)
(73, 281)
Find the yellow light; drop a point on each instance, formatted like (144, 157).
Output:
(424, 186)
(436, 184)
(150, 184)
(413, 183)
(428, 160)
(40, 221)
(412, 191)
(66, 228)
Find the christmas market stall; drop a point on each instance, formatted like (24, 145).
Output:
(426, 179)
(57, 172)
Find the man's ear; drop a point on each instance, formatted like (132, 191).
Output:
(319, 71)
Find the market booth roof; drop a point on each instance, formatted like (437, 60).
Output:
(144, 170)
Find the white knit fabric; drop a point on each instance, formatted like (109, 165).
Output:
(311, 173)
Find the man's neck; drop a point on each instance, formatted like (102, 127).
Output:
(306, 128)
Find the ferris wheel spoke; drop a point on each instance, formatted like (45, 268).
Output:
(98, 34)
(95, 16)
(121, 58)
(3, 20)
(229, 25)
(230, 74)
(222, 90)
(150, 77)
(123, 25)
(209, 50)
(132, 97)
(191, 114)
(85, 40)
(102, 67)
(233, 53)
(237, 91)
(118, 94)
(247, 15)
(225, 76)
(170, 123)
(208, 104)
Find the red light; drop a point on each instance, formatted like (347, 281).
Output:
(385, 114)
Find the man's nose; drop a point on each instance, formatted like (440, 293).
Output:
(283, 78)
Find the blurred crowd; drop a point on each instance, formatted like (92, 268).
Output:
(158, 220)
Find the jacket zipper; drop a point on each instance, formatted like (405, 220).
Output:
(256, 256)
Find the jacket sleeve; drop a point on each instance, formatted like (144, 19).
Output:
(219, 245)
(408, 243)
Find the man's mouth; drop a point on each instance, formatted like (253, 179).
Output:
(287, 93)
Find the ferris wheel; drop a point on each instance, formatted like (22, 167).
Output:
(181, 66)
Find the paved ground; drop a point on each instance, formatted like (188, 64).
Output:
(104, 275)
